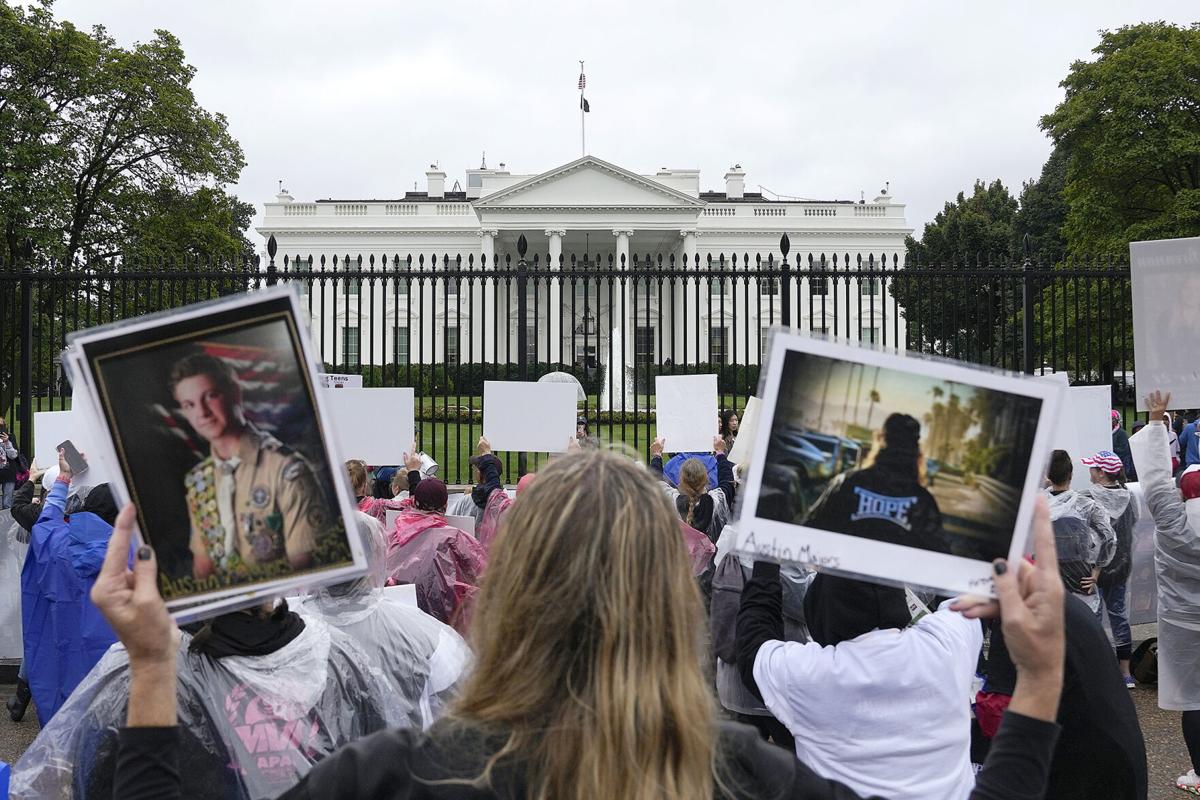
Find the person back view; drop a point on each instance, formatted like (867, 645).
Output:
(1066, 502)
(422, 659)
(699, 507)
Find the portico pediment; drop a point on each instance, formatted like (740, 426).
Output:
(589, 183)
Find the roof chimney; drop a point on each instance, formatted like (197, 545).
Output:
(436, 181)
(735, 182)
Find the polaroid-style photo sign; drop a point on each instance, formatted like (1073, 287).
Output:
(331, 380)
(222, 440)
(898, 469)
(375, 425)
(529, 417)
(1166, 282)
(686, 411)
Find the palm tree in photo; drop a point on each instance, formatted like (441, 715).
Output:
(874, 396)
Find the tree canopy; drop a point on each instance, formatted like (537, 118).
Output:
(1129, 127)
(93, 136)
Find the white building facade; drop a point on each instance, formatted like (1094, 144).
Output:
(620, 263)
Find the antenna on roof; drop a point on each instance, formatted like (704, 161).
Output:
(281, 185)
(862, 196)
(483, 161)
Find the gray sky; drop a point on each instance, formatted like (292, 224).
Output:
(355, 99)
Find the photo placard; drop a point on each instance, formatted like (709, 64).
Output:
(1165, 276)
(521, 416)
(220, 436)
(375, 425)
(331, 380)
(686, 410)
(895, 468)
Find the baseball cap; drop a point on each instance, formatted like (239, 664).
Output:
(1189, 484)
(430, 495)
(1106, 461)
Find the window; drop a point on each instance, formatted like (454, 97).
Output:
(716, 345)
(531, 343)
(644, 345)
(764, 343)
(868, 286)
(868, 334)
(451, 345)
(716, 286)
(768, 286)
(352, 285)
(818, 287)
(400, 345)
(474, 180)
(451, 287)
(350, 351)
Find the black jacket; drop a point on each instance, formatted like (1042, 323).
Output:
(490, 469)
(408, 765)
(24, 510)
(880, 504)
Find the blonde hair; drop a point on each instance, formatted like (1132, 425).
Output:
(399, 482)
(588, 638)
(693, 484)
(358, 476)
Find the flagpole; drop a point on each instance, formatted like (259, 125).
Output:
(582, 124)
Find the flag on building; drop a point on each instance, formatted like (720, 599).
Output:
(583, 103)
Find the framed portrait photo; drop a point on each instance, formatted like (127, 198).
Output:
(896, 468)
(221, 438)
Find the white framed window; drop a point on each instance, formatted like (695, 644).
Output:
(531, 343)
(452, 345)
(716, 345)
(400, 345)
(768, 286)
(350, 346)
(868, 334)
(351, 286)
(868, 286)
(644, 344)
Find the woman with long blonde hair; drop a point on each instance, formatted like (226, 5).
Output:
(588, 682)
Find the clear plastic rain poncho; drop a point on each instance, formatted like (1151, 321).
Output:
(422, 659)
(444, 563)
(252, 726)
(1177, 568)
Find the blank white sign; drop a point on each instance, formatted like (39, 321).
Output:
(1084, 427)
(52, 428)
(743, 446)
(389, 520)
(1166, 327)
(529, 417)
(686, 408)
(464, 524)
(375, 425)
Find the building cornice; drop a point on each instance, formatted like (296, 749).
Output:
(593, 163)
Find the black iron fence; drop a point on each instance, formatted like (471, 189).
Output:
(443, 324)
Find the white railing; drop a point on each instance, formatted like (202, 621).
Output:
(770, 211)
(453, 209)
(400, 209)
(830, 211)
(350, 209)
(300, 210)
(869, 211)
(720, 211)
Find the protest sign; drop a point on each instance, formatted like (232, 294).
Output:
(52, 428)
(890, 467)
(529, 417)
(686, 412)
(389, 520)
(375, 425)
(743, 446)
(222, 440)
(466, 524)
(1084, 427)
(1166, 282)
(331, 380)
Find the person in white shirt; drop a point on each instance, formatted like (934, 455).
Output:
(873, 702)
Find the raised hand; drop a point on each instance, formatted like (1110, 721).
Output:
(718, 444)
(657, 447)
(483, 447)
(1157, 403)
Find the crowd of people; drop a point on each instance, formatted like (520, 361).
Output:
(596, 635)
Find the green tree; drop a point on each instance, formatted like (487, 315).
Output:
(961, 316)
(1043, 211)
(1130, 129)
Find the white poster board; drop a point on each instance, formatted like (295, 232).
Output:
(529, 417)
(743, 446)
(1084, 427)
(686, 410)
(1166, 288)
(12, 558)
(52, 428)
(464, 524)
(389, 520)
(330, 380)
(375, 425)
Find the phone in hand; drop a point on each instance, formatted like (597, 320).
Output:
(74, 459)
(3, 429)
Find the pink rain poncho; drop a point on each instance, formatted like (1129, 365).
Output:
(700, 548)
(378, 508)
(444, 563)
(497, 506)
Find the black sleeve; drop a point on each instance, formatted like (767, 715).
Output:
(1018, 763)
(489, 481)
(656, 466)
(414, 477)
(147, 764)
(759, 619)
(24, 511)
(725, 478)
(376, 766)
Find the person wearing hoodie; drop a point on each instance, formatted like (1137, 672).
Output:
(1066, 502)
(1120, 446)
(64, 634)
(1108, 490)
(1176, 513)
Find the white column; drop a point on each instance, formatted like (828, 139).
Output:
(623, 263)
(684, 324)
(487, 318)
(554, 307)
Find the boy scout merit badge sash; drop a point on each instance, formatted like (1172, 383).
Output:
(201, 487)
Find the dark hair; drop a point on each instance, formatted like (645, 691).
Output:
(204, 364)
(900, 452)
(1061, 469)
(726, 414)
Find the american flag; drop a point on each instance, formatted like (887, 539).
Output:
(582, 81)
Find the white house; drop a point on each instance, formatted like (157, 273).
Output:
(577, 217)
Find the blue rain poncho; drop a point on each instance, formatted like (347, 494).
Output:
(64, 634)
